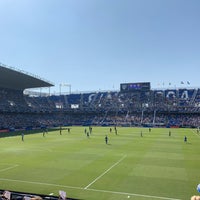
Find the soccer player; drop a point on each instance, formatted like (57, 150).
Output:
(106, 139)
(185, 139)
(141, 134)
(169, 133)
(22, 136)
(60, 130)
(149, 130)
(115, 128)
(90, 129)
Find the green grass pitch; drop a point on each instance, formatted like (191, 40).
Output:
(155, 166)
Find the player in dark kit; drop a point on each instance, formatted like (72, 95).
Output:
(185, 139)
(149, 130)
(22, 136)
(106, 139)
(141, 134)
(90, 129)
(169, 133)
(115, 128)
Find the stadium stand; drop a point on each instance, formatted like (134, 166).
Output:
(170, 107)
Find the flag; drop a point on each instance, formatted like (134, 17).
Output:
(188, 82)
(7, 194)
(62, 195)
(127, 115)
(26, 198)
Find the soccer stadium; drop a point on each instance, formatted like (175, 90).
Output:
(134, 143)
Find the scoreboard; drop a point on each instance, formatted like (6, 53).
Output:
(133, 87)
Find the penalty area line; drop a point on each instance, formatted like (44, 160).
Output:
(105, 172)
(195, 133)
(8, 168)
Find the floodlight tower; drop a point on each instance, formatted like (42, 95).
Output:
(65, 85)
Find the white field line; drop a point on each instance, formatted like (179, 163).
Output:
(40, 183)
(105, 172)
(193, 131)
(8, 168)
(94, 190)
(39, 149)
(133, 194)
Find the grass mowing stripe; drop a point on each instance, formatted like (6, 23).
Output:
(94, 190)
(105, 172)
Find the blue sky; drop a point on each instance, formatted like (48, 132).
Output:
(98, 44)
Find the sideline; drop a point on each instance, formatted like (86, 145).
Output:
(105, 172)
(94, 190)
(133, 194)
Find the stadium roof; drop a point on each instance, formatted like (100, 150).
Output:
(16, 79)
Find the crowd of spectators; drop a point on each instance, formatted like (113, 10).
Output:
(179, 107)
(37, 121)
(13, 195)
